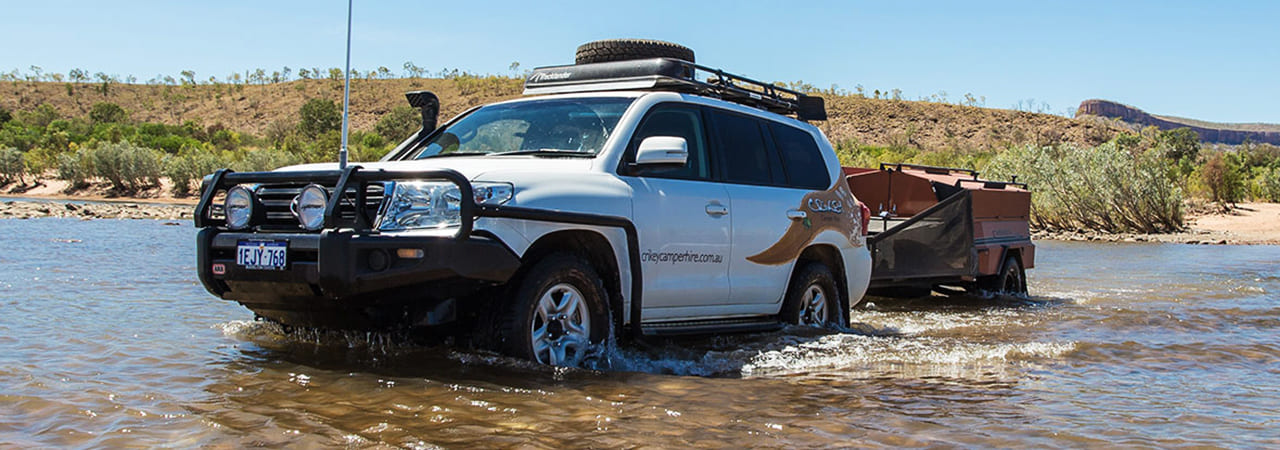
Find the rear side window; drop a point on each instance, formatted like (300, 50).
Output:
(747, 158)
(800, 155)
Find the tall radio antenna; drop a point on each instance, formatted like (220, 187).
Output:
(346, 94)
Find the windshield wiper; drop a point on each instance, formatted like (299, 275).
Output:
(446, 155)
(549, 152)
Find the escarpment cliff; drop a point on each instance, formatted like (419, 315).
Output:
(1230, 134)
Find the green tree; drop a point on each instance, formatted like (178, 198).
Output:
(128, 167)
(78, 75)
(1180, 143)
(1222, 178)
(105, 112)
(5, 115)
(106, 80)
(1269, 182)
(39, 117)
(318, 116)
(278, 130)
(188, 167)
(75, 167)
(11, 166)
(1128, 141)
(411, 70)
(398, 124)
(264, 160)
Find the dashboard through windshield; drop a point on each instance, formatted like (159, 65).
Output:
(565, 126)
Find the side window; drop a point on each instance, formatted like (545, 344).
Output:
(745, 155)
(800, 155)
(677, 121)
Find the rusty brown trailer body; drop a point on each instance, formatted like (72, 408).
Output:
(938, 226)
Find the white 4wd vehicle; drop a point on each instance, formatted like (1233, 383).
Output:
(628, 200)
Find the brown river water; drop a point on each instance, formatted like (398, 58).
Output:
(107, 340)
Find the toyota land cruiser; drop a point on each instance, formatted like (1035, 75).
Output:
(625, 195)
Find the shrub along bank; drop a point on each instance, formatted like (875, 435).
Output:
(133, 156)
(1136, 182)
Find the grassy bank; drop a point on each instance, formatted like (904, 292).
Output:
(127, 139)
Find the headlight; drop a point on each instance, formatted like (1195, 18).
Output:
(431, 204)
(309, 207)
(238, 206)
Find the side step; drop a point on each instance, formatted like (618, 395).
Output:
(748, 325)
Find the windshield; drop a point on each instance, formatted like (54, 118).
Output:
(559, 126)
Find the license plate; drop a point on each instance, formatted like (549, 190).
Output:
(262, 255)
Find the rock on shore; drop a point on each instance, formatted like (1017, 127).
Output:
(1185, 237)
(15, 209)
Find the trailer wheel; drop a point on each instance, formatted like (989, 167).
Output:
(1012, 279)
(812, 298)
(558, 316)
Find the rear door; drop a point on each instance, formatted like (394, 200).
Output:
(682, 218)
(764, 208)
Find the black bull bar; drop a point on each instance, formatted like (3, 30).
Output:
(354, 177)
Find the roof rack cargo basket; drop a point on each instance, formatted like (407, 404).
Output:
(667, 74)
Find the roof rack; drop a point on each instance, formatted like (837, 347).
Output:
(667, 74)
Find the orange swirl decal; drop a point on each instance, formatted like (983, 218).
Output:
(832, 209)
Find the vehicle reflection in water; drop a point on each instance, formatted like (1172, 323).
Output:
(107, 340)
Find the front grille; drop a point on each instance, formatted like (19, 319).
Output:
(277, 199)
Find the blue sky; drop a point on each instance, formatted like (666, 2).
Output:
(1215, 61)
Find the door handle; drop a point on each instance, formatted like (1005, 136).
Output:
(795, 214)
(716, 209)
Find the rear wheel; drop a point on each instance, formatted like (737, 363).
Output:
(1011, 280)
(559, 315)
(627, 49)
(812, 298)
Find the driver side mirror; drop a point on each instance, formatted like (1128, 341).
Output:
(663, 151)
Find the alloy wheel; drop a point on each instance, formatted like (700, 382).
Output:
(561, 327)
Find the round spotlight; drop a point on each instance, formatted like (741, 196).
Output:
(311, 203)
(238, 207)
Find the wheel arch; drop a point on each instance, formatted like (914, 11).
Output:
(1005, 253)
(591, 246)
(828, 255)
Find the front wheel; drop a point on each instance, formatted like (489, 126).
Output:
(812, 298)
(559, 314)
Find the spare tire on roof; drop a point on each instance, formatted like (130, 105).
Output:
(627, 49)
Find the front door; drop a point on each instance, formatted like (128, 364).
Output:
(683, 220)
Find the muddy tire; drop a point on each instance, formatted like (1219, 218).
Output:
(558, 315)
(1012, 279)
(813, 299)
(628, 49)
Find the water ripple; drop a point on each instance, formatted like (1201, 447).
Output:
(108, 341)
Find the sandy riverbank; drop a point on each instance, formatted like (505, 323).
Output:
(55, 189)
(1246, 223)
(36, 208)
(49, 198)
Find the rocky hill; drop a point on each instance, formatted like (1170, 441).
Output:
(257, 108)
(1222, 133)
